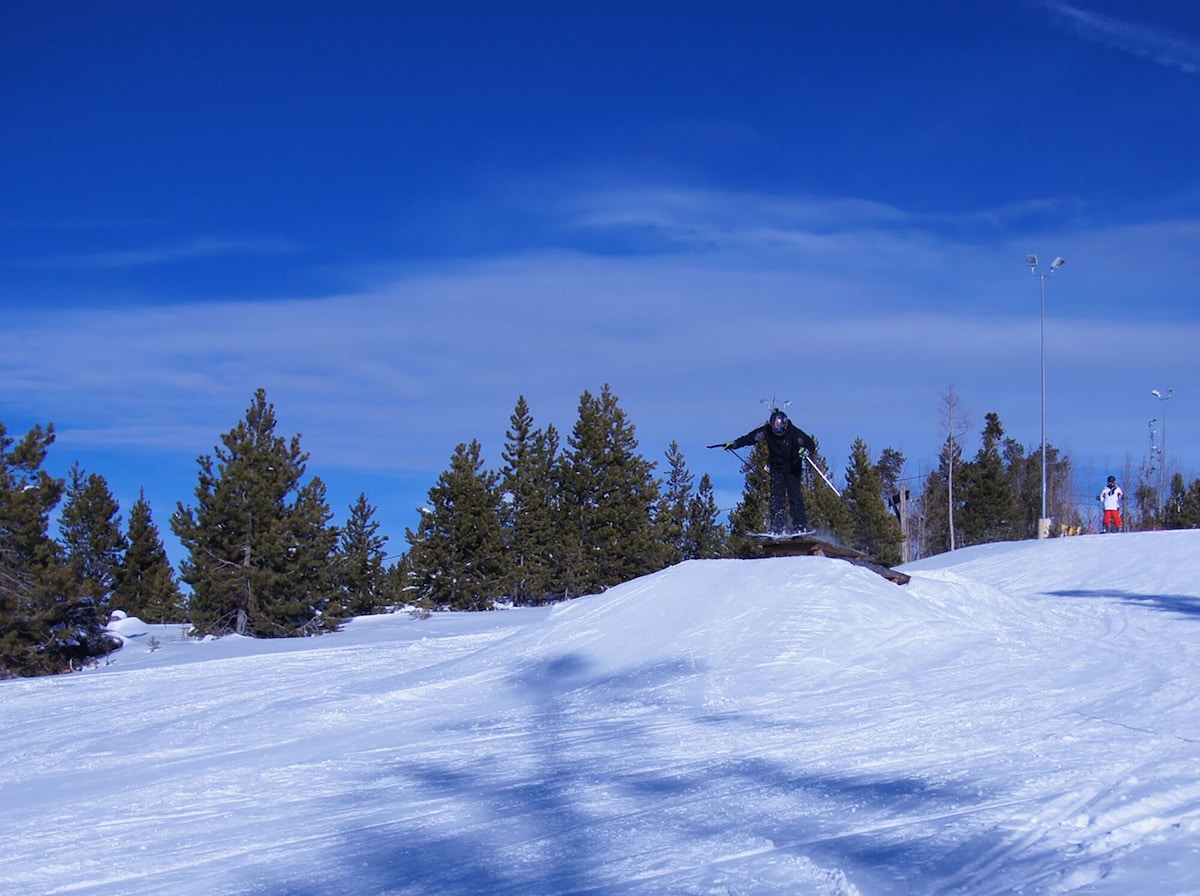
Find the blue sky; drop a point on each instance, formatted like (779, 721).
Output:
(399, 217)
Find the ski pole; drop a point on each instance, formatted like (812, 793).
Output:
(829, 483)
(745, 463)
(821, 473)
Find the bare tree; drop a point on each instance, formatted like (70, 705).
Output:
(954, 422)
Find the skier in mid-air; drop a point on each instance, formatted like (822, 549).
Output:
(787, 445)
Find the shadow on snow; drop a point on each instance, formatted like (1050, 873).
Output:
(1183, 604)
(568, 792)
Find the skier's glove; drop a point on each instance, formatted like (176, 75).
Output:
(729, 446)
(803, 453)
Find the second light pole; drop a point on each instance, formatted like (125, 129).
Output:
(1163, 483)
(1032, 261)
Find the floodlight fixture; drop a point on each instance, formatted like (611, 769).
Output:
(1057, 263)
(1031, 260)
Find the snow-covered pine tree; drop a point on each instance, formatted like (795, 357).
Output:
(259, 541)
(145, 583)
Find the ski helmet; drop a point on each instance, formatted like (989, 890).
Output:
(779, 422)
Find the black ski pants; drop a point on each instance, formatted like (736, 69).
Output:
(787, 511)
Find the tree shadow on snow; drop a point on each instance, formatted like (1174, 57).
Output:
(1181, 604)
(569, 793)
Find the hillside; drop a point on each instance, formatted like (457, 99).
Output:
(1018, 718)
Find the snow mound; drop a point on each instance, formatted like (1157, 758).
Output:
(1017, 718)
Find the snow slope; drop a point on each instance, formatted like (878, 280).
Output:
(1018, 718)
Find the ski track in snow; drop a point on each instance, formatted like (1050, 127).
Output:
(797, 725)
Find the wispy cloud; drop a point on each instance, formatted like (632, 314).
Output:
(805, 229)
(169, 253)
(1130, 37)
(890, 318)
(691, 216)
(855, 312)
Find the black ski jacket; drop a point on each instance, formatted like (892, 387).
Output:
(784, 449)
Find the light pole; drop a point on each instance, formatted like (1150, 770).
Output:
(1162, 465)
(1032, 261)
(1153, 449)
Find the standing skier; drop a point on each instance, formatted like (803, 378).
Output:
(1111, 499)
(788, 446)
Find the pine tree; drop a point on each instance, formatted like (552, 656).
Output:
(398, 582)
(704, 536)
(671, 514)
(927, 523)
(1144, 504)
(457, 553)
(989, 512)
(259, 542)
(1025, 488)
(876, 531)
(750, 514)
(828, 512)
(362, 581)
(1061, 491)
(686, 518)
(955, 422)
(91, 536)
(1059, 488)
(46, 624)
(530, 512)
(890, 467)
(609, 495)
(1182, 509)
(935, 500)
(145, 584)
(307, 567)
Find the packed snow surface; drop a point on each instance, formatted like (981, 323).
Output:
(1019, 718)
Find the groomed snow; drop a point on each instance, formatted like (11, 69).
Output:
(1018, 718)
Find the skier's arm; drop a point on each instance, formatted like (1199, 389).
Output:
(807, 443)
(744, 441)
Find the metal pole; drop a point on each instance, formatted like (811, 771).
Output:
(1032, 261)
(1163, 482)
(1043, 523)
